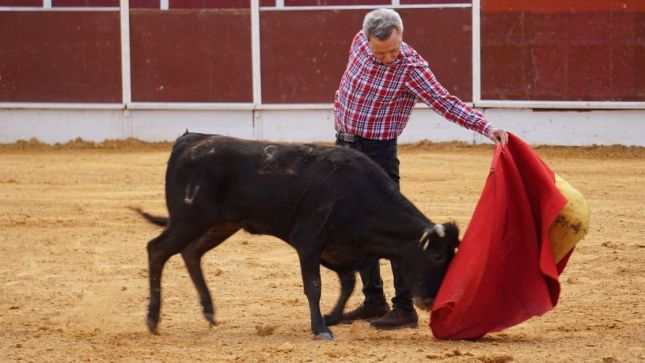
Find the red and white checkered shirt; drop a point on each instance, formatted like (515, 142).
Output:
(375, 101)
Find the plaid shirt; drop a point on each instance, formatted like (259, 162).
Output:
(375, 101)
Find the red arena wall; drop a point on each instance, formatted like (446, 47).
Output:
(60, 57)
(208, 61)
(21, 2)
(200, 50)
(588, 50)
(305, 52)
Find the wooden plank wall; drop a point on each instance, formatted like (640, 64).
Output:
(200, 50)
(208, 61)
(304, 52)
(60, 57)
(591, 50)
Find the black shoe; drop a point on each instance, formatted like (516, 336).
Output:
(397, 319)
(366, 311)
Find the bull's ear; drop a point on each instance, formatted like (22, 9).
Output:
(453, 230)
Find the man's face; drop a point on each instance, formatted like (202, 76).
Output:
(386, 51)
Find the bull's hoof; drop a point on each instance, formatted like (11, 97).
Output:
(211, 319)
(152, 325)
(324, 336)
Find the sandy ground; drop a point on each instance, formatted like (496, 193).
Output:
(73, 277)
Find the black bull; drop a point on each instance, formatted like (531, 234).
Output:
(333, 205)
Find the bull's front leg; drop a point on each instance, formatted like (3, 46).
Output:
(347, 283)
(310, 269)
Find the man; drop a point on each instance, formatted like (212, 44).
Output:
(383, 81)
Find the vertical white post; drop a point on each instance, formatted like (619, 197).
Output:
(396, 3)
(476, 56)
(47, 4)
(163, 4)
(255, 52)
(125, 53)
(279, 4)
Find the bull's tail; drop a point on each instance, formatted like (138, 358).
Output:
(158, 220)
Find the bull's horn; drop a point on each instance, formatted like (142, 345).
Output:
(424, 241)
(440, 230)
(424, 236)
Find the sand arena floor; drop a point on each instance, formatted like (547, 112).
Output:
(73, 277)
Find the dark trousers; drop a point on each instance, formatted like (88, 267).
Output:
(384, 153)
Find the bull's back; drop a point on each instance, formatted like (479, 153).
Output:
(214, 163)
(268, 184)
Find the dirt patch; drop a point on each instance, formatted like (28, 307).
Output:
(35, 145)
(73, 280)
(585, 152)
(595, 151)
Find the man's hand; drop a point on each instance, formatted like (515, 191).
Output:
(499, 136)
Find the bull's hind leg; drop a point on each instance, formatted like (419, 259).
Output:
(347, 283)
(192, 256)
(160, 249)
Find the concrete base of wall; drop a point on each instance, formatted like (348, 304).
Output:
(545, 127)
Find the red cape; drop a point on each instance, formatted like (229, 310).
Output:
(504, 272)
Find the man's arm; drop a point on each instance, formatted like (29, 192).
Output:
(423, 84)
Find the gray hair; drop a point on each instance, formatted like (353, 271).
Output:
(380, 22)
